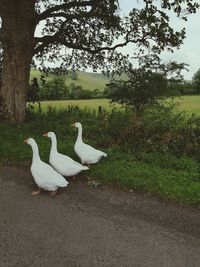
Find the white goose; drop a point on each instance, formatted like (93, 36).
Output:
(62, 163)
(86, 153)
(44, 175)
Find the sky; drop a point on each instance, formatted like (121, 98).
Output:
(189, 52)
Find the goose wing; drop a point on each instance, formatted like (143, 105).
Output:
(46, 175)
(88, 151)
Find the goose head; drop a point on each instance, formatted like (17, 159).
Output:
(53, 138)
(34, 146)
(49, 135)
(30, 141)
(76, 125)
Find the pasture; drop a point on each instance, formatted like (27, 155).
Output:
(189, 104)
(91, 104)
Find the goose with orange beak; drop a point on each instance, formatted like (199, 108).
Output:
(62, 163)
(44, 175)
(87, 153)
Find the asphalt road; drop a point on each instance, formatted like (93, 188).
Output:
(84, 226)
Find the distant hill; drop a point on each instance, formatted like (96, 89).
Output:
(87, 80)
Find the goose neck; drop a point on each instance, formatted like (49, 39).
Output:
(53, 143)
(36, 155)
(79, 137)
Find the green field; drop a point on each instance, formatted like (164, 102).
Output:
(87, 80)
(190, 104)
(91, 81)
(91, 104)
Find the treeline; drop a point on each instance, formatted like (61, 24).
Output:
(190, 87)
(56, 89)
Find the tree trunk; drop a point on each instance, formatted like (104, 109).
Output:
(18, 29)
(15, 81)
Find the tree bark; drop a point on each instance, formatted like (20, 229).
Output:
(18, 33)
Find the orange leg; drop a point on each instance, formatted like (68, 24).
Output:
(53, 193)
(35, 193)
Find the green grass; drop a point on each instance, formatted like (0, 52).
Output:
(179, 181)
(133, 174)
(189, 104)
(91, 104)
(87, 80)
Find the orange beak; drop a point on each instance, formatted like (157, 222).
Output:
(73, 125)
(26, 141)
(45, 134)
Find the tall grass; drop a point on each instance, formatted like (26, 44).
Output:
(92, 104)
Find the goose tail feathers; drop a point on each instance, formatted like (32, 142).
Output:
(85, 168)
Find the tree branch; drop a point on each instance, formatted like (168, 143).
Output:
(39, 48)
(46, 40)
(88, 14)
(50, 11)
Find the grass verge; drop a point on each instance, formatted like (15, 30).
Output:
(168, 176)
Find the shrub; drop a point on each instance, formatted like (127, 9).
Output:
(158, 129)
